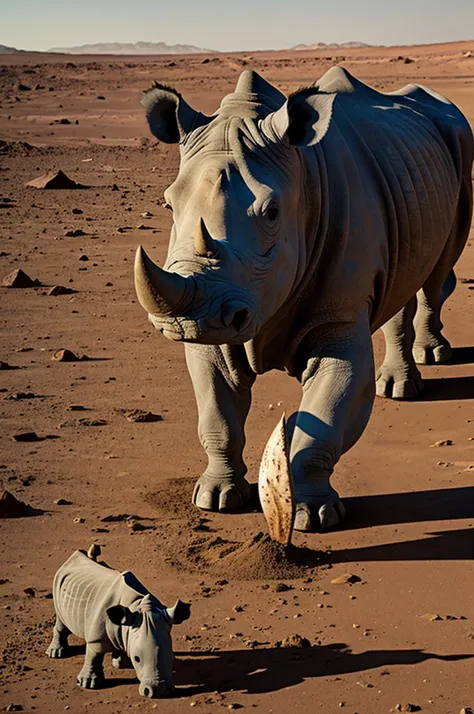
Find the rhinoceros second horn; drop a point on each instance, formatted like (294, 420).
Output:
(275, 486)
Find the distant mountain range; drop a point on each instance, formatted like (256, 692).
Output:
(130, 48)
(331, 46)
(5, 50)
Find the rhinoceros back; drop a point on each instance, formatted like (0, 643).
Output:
(84, 589)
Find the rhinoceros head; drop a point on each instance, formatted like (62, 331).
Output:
(146, 635)
(240, 210)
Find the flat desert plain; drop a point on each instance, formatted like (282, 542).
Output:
(403, 634)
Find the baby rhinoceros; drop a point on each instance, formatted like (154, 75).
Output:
(113, 612)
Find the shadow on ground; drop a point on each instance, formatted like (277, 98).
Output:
(272, 669)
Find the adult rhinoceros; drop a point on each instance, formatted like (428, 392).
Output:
(301, 226)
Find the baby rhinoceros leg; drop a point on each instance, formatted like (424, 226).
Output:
(91, 675)
(59, 644)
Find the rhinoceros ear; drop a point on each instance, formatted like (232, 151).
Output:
(180, 612)
(120, 615)
(170, 118)
(305, 117)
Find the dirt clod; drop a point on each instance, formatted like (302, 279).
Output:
(60, 290)
(65, 356)
(294, 641)
(140, 415)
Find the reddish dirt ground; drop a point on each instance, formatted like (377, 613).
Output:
(409, 533)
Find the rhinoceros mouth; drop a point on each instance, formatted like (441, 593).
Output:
(200, 331)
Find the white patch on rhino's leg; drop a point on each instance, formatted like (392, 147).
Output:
(398, 377)
(430, 346)
(91, 675)
(223, 395)
(338, 395)
(59, 644)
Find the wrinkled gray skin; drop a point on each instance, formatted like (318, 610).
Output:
(301, 226)
(113, 612)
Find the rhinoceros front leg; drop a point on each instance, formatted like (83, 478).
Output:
(222, 387)
(91, 675)
(338, 395)
(59, 644)
(399, 377)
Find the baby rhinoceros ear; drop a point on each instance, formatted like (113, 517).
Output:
(120, 615)
(180, 612)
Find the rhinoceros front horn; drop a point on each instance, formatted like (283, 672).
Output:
(275, 486)
(159, 292)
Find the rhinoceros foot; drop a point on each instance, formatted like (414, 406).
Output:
(56, 651)
(221, 494)
(397, 384)
(314, 516)
(89, 679)
(432, 355)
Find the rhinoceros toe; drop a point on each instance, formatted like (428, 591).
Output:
(56, 652)
(432, 355)
(90, 680)
(313, 517)
(213, 494)
(398, 386)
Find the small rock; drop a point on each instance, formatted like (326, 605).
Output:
(5, 365)
(29, 592)
(62, 502)
(84, 258)
(100, 96)
(467, 710)
(234, 705)
(348, 579)
(26, 436)
(21, 395)
(143, 227)
(294, 641)
(79, 519)
(54, 180)
(442, 442)
(13, 708)
(77, 211)
(146, 214)
(238, 608)
(282, 588)
(140, 415)
(75, 233)
(60, 290)
(430, 616)
(65, 356)
(12, 507)
(19, 279)
(406, 708)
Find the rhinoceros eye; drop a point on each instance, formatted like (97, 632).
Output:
(137, 658)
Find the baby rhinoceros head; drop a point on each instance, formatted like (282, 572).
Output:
(146, 634)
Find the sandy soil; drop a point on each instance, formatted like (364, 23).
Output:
(409, 534)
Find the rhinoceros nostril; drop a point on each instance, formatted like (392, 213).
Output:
(146, 692)
(240, 318)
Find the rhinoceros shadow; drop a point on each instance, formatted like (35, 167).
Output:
(269, 669)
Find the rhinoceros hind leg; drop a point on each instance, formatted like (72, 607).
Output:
(312, 517)
(430, 346)
(59, 644)
(91, 675)
(221, 494)
(398, 377)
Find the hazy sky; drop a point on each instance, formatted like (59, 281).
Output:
(233, 25)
